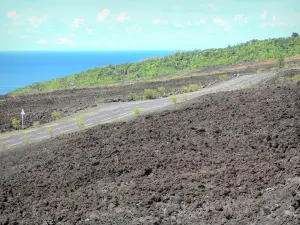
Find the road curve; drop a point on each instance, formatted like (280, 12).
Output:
(107, 113)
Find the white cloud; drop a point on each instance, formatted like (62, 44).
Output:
(123, 17)
(103, 14)
(155, 21)
(90, 31)
(133, 28)
(178, 25)
(274, 18)
(63, 41)
(264, 15)
(77, 23)
(42, 42)
(160, 22)
(36, 22)
(212, 6)
(13, 24)
(227, 29)
(239, 17)
(189, 24)
(11, 14)
(219, 21)
(197, 23)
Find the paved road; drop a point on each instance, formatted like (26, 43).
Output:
(106, 113)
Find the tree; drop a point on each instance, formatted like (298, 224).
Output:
(294, 34)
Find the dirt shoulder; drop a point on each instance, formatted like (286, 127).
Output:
(225, 158)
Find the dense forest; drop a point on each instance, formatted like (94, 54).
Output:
(251, 51)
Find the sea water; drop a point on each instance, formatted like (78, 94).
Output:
(18, 69)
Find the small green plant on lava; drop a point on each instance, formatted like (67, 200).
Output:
(3, 145)
(80, 123)
(161, 91)
(55, 115)
(136, 111)
(149, 93)
(16, 124)
(26, 139)
(36, 123)
(174, 99)
(50, 131)
(185, 96)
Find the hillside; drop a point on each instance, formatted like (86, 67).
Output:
(251, 51)
(226, 158)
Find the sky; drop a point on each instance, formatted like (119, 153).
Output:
(84, 25)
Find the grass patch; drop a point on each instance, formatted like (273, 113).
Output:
(55, 115)
(80, 123)
(149, 93)
(174, 99)
(36, 123)
(161, 91)
(136, 111)
(185, 96)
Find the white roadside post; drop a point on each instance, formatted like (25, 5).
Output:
(22, 114)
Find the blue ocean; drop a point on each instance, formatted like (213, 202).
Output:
(18, 69)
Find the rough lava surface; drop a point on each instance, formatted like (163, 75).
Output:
(225, 158)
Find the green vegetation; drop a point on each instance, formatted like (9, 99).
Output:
(16, 124)
(161, 91)
(223, 77)
(294, 78)
(190, 88)
(193, 87)
(280, 61)
(185, 89)
(251, 51)
(261, 70)
(185, 96)
(136, 111)
(3, 145)
(55, 115)
(174, 99)
(149, 93)
(132, 97)
(80, 123)
(26, 139)
(50, 130)
(36, 123)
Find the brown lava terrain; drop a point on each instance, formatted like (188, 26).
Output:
(38, 107)
(225, 158)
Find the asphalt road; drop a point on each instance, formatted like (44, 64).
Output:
(106, 113)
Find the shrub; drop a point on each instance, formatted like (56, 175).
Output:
(3, 145)
(36, 123)
(193, 87)
(185, 88)
(174, 99)
(55, 115)
(80, 123)
(185, 96)
(280, 62)
(26, 139)
(132, 97)
(149, 93)
(50, 130)
(223, 77)
(261, 70)
(161, 91)
(136, 111)
(16, 124)
(273, 70)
